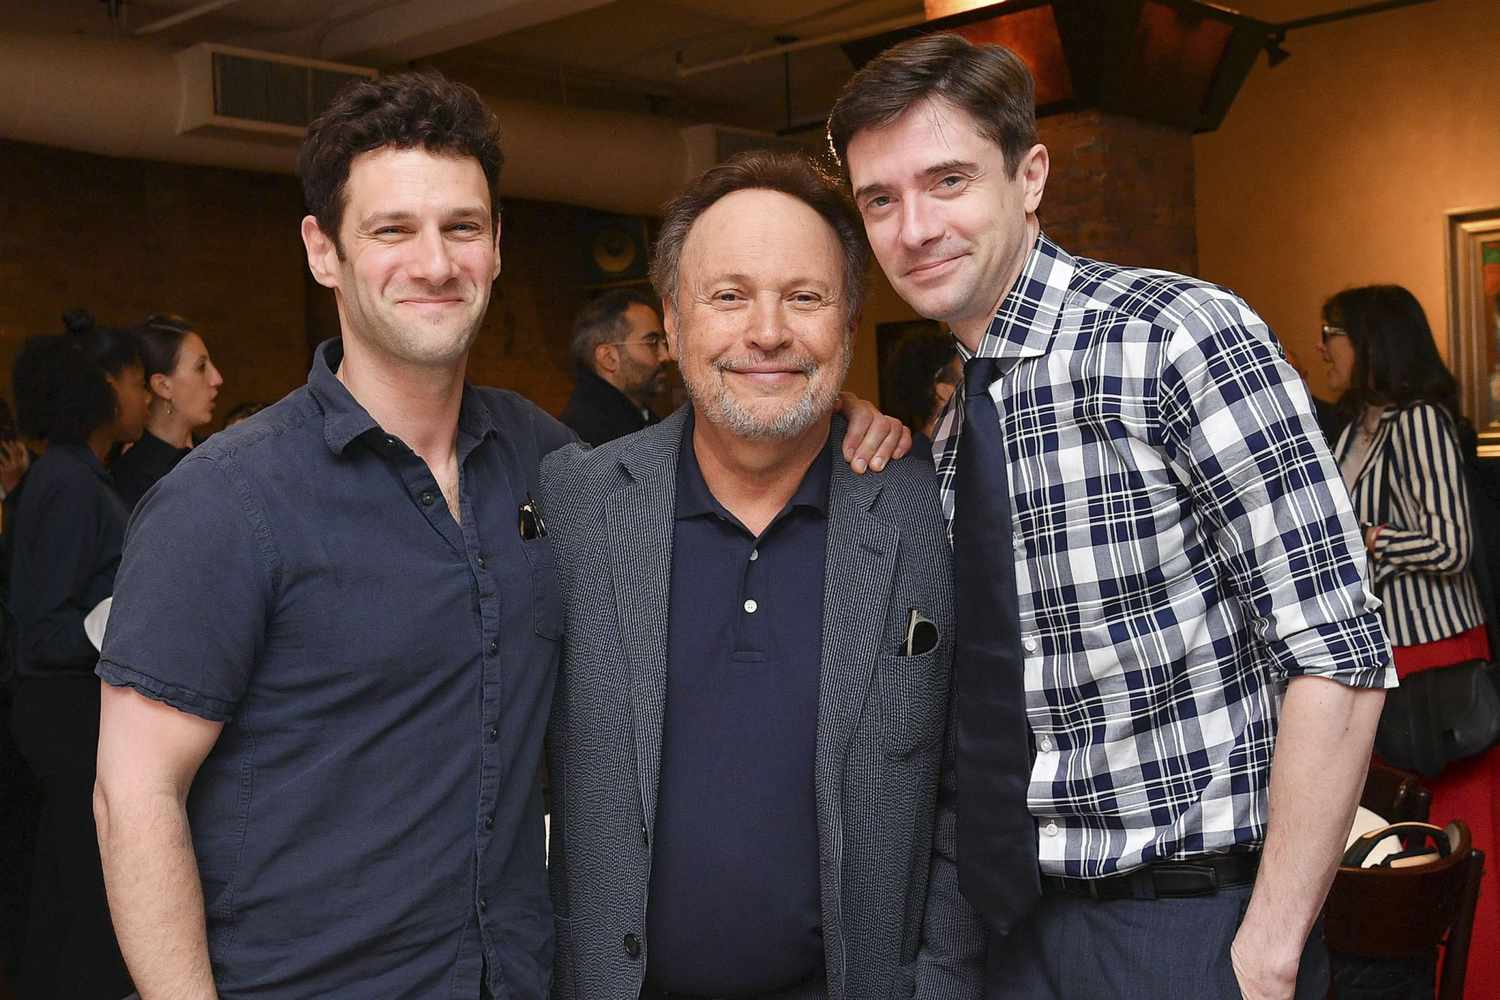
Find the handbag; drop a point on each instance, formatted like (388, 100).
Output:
(1438, 716)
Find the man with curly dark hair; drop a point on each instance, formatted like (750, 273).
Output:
(328, 629)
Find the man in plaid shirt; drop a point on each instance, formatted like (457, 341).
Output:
(1189, 576)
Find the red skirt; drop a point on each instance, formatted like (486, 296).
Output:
(1467, 790)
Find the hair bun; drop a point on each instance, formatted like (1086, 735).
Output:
(78, 321)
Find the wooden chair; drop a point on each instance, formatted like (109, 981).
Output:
(1398, 913)
(1395, 795)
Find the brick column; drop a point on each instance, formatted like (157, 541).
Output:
(1121, 190)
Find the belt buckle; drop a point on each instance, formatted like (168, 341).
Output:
(1206, 875)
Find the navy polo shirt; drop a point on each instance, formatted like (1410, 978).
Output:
(734, 899)
(369, 823)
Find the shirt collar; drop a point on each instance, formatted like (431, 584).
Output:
(344, 419)
(84, 455)
(695, 499)
(1026, 320)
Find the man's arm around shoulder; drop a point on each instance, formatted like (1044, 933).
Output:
(148, 756)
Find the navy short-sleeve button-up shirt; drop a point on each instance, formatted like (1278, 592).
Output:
(369, 822)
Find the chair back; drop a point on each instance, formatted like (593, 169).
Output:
(1389, 913)
(1395, 795)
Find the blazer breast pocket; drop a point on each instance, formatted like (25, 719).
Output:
(546, 597)
(913, 701)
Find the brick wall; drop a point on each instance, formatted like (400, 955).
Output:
(1121, 190)
(126, 237)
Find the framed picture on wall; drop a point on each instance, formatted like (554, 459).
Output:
(1474, 319)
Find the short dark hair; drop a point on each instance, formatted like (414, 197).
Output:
(1396, 361)
(160, 336)
(602, 320)
(791, 174)
(62, 393)
(989, 82)
(406, 111)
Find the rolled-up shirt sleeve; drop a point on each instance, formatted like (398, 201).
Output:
(1239, 426)
(196, 587)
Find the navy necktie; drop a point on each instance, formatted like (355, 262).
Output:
(997, 849)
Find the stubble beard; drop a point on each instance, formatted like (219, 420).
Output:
(713, 399)
(427, 346)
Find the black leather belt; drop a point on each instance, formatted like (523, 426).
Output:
(1201, 876)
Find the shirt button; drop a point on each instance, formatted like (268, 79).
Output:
(427, 498)
(493, 734)
(754, 554)
(1019, 541)
(1044, 744)
(1050, 829)
(390, 442)
(481, 562)
(489, 822)
(1030, 643)
(494, 647)
(632, 946)
(750, 607)
(483, 904)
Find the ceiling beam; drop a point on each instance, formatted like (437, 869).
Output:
(414, 29)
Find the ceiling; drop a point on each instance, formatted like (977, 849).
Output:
(606, 54)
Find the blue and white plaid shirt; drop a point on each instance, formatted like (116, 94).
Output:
(1184, 545)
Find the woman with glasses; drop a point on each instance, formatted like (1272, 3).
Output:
(1401, 457)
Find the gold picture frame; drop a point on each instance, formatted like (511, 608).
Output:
(1474, 319)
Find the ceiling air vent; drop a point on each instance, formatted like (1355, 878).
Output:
(249, 94)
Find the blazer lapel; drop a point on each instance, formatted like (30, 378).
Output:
(640, 516)
(861, 562)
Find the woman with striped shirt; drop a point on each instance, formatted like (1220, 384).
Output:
(1401, 459)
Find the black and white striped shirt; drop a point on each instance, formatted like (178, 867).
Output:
(1411, 482)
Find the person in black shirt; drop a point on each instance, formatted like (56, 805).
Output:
(621, 356)
(68, 532)
(183, 383)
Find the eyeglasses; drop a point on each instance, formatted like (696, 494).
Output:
(1333, 331)
(655, 342)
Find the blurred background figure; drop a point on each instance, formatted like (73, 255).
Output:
(1330, 419)
(1404, 455)
(918, 381)
(184, 384)
(621, 358)
(85, 392)
(244, 411)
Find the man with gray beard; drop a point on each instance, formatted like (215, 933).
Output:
(747, 744)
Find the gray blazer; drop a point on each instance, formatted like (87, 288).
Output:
(894, 924)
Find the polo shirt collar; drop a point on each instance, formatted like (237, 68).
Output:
(695, 499)
(1026, 320)
(344, 419)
